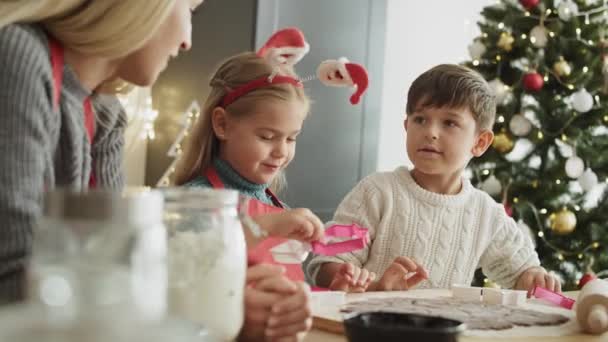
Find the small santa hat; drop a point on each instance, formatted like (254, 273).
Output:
(342, 73)
(359, 76)
(286, 46)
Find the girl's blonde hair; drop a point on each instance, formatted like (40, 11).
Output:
(202, 145)
(105, 28)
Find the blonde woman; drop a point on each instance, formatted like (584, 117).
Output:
(60, 62)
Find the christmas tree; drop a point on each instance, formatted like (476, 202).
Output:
(547, 62)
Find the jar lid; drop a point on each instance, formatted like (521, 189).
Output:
(200, 198)
(133, 205)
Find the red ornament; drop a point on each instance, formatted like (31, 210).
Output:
(585, 279)
(529, 4)
(533, 82)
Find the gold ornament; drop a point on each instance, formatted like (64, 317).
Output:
(562, 68)
(502, 143)
(562, 222)
(505, 41)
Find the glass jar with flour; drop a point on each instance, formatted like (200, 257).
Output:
(206, 259)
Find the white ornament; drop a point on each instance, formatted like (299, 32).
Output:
(575, 167)
(588, 180)
(567, 9)
(565, 150)
(582, 101)
(538, 36)
(492, 186)
(499, 90)
(477, 49)
(519, 125)
(535, 162)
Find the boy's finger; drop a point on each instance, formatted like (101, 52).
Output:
(422, 270)
(356, 274)
(348, 269)
(407, 263)
(340, 283)
(415, 280)
(558, 286)
(550, 282)
(363, 277)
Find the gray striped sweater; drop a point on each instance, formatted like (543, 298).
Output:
(42, 148)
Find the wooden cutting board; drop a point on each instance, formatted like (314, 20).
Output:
(328, 317)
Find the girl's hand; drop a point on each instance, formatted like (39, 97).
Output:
(266, 286)
(291, 317)
(297, 224)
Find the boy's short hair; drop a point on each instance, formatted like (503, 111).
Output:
(453, 86)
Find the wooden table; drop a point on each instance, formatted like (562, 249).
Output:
(323, 326)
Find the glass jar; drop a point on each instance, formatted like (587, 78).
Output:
(207, 258)
(101, 251)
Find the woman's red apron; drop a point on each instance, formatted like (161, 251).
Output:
(89, 115)
(261, 252)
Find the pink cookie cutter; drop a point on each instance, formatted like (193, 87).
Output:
(338, 239)
(555, 298)
(357, 238)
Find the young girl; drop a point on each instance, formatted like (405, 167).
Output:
(243, 140)
(56, 58)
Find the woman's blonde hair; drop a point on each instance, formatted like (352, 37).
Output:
(105, 28)
(202, 145)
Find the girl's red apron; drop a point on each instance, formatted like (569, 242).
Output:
(89, 115)
(261, 252)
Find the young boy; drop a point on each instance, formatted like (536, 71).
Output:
(429, 225)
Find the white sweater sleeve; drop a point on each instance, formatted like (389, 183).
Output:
(362, 206)
(509, 253)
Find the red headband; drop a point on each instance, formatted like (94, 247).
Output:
(261, 82)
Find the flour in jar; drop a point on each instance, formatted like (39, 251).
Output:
(207, 280)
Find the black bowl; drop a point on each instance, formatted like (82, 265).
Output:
(389, 327)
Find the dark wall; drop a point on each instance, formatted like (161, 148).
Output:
(220, 28)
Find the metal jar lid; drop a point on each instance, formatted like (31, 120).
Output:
(200, 198)
(134, 205)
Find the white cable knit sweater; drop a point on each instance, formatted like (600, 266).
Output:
(451, 235)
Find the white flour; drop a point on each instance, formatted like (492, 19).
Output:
(207, 280)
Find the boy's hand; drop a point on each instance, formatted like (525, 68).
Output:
(351, 278)
(403, 274)
(534, 276)
(291, 317)
(298, 224)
